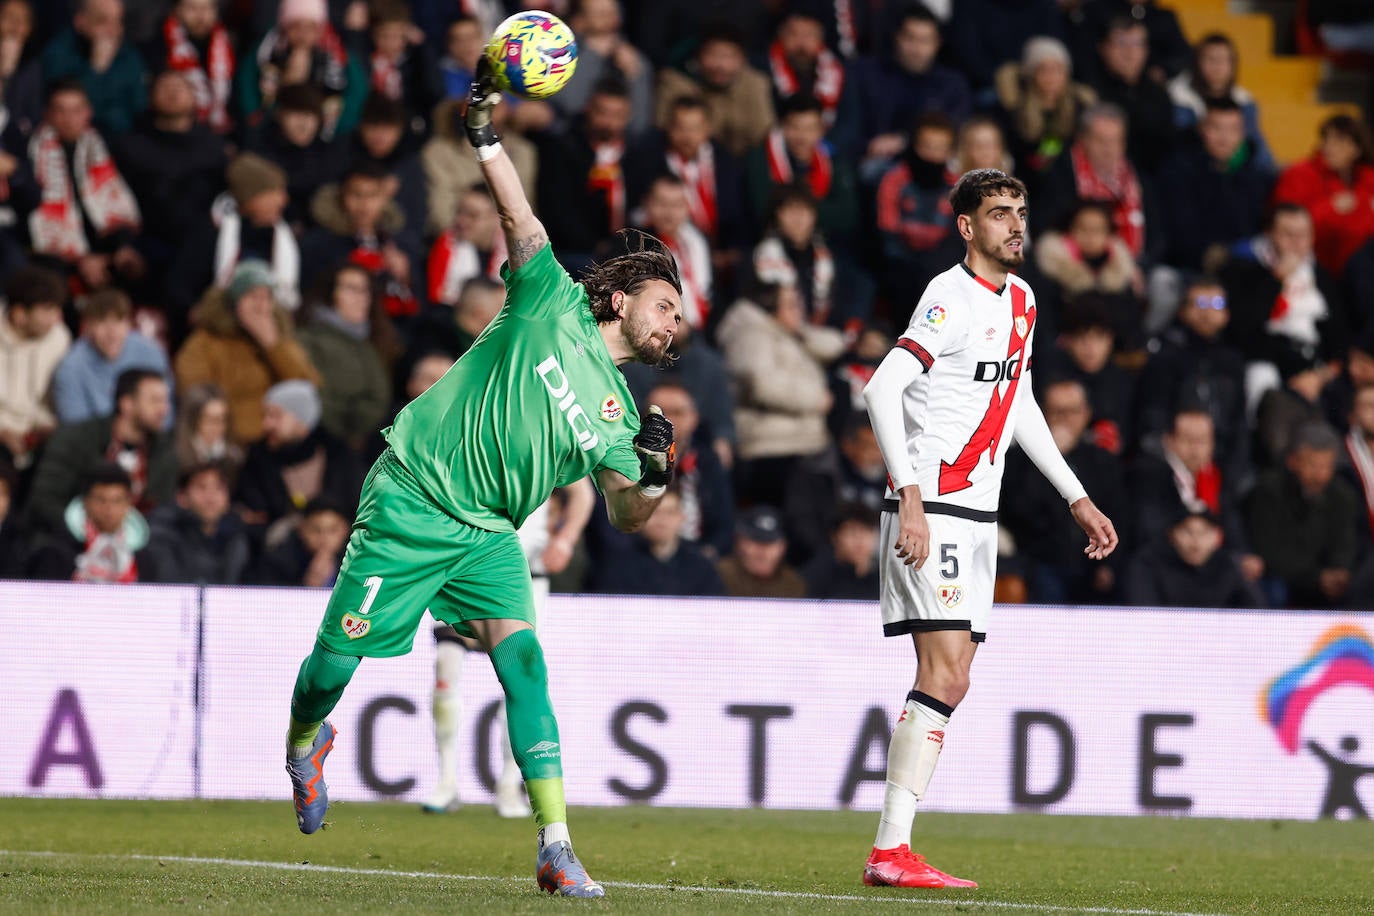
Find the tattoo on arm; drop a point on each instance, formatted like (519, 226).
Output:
(523, 249)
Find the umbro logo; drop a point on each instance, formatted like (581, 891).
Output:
(991, 333)
(542, 746)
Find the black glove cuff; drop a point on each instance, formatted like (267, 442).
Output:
(482, 136)
(653, 478)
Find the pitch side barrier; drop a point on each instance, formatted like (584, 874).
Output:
(181, 692)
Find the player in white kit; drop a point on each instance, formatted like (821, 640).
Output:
(946, 404)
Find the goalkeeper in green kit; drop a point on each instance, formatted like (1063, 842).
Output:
(537, 403)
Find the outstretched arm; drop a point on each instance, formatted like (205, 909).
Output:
(525, 235)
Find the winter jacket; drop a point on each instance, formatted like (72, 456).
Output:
(26, 374)
(837, 213)
(1298, 537)
(1158, 577)
(882, 98)
(1055, 256)
(179, 550)
(356, 390)
(1035, 135)
(83, 386)
(1207, 204)
(118, 95)
(1149, 118)
(261, 487)
(333, 241)
(451, 168)
(740, 115)
(637, 571)
(174, 175)
(1184, 370)
(781, 389)
(1339, 232)
(219, 351)
(1189, 107)
(308, 168)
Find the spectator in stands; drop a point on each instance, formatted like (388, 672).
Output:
(292, 140)
(296, 461)
(98, 536)
(84, 384)
(402, 68)
(700, 368)
(777, 364)
(352, 343)
(583, 170)
(1357, 372)
(359, 222)
(243, 343)
(1184, 474)
(849, 569)
(14, 539)
(33, 341)
(1359, 453)
(464, 42)
(132, 437)
(915, 221)
(738, 98)
(311, 552)
(1057, 570)
(1083, 352)
(794, 253)
(88, 219)
(451, 168)
(1040, 104)
(1191, 364)
(873, 340)
(710, 174)
(984, 34)
(203, 432)
(453, 330)
(1096, 168)
(197, 539)
(1169, 52)
(1301, 519)
(1122, 81)
(1213, 190)
(21, 73)
(703, 483)
(382, 140)
(756, 568)
(1190, 567)
(800, 63)
(174, 165)
(795, 153)
(981, 145)
(1085, 255)
(603, 51)
(303, 48)
(1287, 310)
(660, 561)
(1287, 408)
(194, 43)
(1212, 77)
(884, 95)
(853, 473)
(472, 246)
(1336, 185)
(667, 216)
(94, 54)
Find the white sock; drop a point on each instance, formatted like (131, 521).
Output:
(448, 665)
(911, 758)
(557, 832)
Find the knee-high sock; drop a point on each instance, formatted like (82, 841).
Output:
(519, 663)
(510, 772)
(911, 758)
(319, 684)
(448, 666)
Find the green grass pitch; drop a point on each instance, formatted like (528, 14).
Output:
(246, 857)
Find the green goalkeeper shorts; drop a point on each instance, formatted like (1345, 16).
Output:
(406, 556)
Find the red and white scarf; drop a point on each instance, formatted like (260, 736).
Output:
(328, 67)
(1362, 460)
(699, 176)
(386, 77)
(453, 262)
(286, 253)
(106, 558)
(1121, 190)
(819, 170)
(608, 177)
(55, 226)
(213, 79)
(1200, 492)
(772, 265)
(827, 86)
(693, 256)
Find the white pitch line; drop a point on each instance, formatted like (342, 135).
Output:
(961, 901)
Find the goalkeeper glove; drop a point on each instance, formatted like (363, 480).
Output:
(657, 451)
(483, 96)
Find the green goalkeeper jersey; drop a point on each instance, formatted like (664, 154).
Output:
(536, 403)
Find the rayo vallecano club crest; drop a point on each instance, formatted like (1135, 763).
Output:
(611, 409)
(950, 595)
(1021, 325)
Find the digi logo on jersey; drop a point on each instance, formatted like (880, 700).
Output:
(560, 389)
(992, 371)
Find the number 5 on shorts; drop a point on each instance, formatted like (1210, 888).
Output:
(949, 566)
(373, 584)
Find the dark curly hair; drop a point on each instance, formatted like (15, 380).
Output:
(975, 186)
(645, 259)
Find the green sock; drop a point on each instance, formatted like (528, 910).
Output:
(320, 683)
(519, 663)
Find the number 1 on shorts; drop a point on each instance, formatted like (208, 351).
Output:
(373, 585)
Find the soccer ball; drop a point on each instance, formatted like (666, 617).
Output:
(533, 54)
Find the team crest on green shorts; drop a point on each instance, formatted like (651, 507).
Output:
(950, 595)
(354, 626)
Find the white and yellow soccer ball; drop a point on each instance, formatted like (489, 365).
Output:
(533, 54)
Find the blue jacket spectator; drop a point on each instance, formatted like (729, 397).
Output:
(1213, 76)
(84, 384)
(658, 561)
(93, 50)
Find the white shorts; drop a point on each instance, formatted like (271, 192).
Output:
(952, 590)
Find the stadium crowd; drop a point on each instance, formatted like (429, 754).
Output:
(234, 241)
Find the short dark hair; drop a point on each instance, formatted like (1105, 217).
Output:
(1284, 208)
(975, 186)
(104, 474)
(800, 103)
(687, 103)
(1316, 435)
(1352, 130)
(129, 380)
(856, 512)
(367, 170)
(301, 98)
(31, 285)
(724, 33)
(613, 85)
(64, 84)
(1085, 205)
(1121, 24)
(1085, 313)
(645, 259)
(665, 177)
(918, 11)
(190, 473)
(933, 120)
(384, 11)
(325, 504)
(106, 303)
(788, 195)
(382, 111)
(1224, 104)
